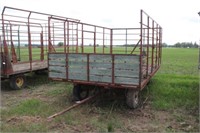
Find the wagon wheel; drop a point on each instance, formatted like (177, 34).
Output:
(80, 93)
(132, 98)
(17, 81)
(40, 72)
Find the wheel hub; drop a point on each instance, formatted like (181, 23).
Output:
(19, 82)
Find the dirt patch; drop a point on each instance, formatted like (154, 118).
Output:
(24, 119)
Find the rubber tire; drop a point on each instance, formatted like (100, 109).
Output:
(40, 72)
(17, 81)
(78, 92)
(132, 98)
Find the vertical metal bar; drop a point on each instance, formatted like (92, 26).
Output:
(113, 69)
(65, 36)
(77, 38)
(51, 48)
(144, 36)
(14, 57)
(160, 45)
(53, 35)
(3, 27)
(156, 61)
(82, 48)
(11, 41)
(126, 41)
(152, 56)
(1, 58)
(67, 73)
(88, 68)
(4, 36)
(141, 43)
(72, 37)
(1, 45)
(111, 41)
(147, 67)
(18, 50)
(49, 35)
(103, 40)
(95, 39)
(42, 46)
(46, 38)
(29, 41)
(8, 41)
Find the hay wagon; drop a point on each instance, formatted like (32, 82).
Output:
(91, 55)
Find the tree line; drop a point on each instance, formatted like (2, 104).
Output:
(182, 45)
(176, 45)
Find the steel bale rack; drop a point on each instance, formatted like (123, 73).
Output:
(91, 55)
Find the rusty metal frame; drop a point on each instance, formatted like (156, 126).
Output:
(149, 38)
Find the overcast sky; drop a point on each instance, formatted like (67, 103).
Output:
(178, 18)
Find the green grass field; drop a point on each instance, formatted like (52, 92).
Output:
(176, 84)
(24, 51)
(173, 105)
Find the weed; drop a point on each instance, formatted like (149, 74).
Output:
(30, 107)
(110, 127)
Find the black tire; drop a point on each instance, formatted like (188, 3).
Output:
(80, 93)
(132, 98)
(17, 81)
(40, 72)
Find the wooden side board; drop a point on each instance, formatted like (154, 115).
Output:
(25, 67)
(122, 69)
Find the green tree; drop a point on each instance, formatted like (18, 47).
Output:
(195, 45)
(60, 44)
(178, 44)
(186, 45)
(164, 44)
